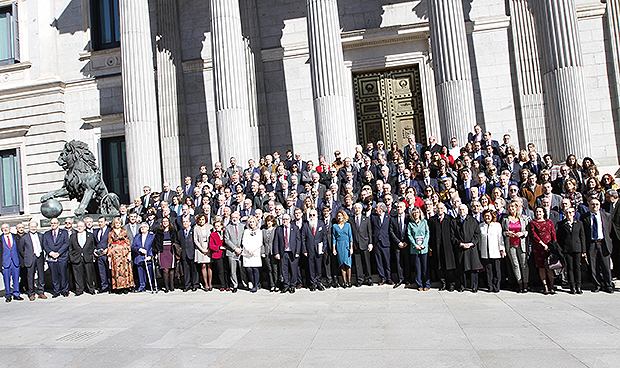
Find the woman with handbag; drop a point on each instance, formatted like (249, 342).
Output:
(543, 233)
(164, 246)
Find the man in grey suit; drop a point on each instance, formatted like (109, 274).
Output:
(132, 226)
(597, 226)
(32, 257)
(232, 241)
(362, 239)
(556, 200)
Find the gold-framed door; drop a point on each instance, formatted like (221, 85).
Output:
(389, 106)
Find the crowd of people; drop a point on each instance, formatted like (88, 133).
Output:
(395, 216)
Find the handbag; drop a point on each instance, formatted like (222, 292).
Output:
(553, 262)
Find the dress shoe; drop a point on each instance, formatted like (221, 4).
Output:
(420, 289)
(320, 287)
(426, 289)
(579, 291)
(298, 286)
(369, 282)
(474, 290)
(390, 282)
(234, 290)
(358, 284)
(194, 288)
(461, 289)
(382, 282)
(451, 288)
(328, 285)
(283, 290)
(8, 298)
(185, 290)
(32, 297)
(312, 288)
(442, 287)
(291, 290)
(55, 295)
(609, 290)
(65, 294)
(596, 289)
(91, 292)
(137, 290)
(222, 289)
(572, 291)
(78, 294)
(42, 296)
(253, 290)
(398, 284)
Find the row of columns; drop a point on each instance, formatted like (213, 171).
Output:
(235, 91)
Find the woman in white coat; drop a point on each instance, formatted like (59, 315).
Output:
(202, 254)
(252, 242)
(492, 249)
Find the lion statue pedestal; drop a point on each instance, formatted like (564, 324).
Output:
(83, 182)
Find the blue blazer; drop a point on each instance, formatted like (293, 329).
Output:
(310, 241)
(9, 255)
(103, 242)
(294, 240)
(61, 245)
(137, 244)
(381, 231)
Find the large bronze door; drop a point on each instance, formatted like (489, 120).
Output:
(389, 106)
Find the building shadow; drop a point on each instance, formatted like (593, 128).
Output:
(614, 87)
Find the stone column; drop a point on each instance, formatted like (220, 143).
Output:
(563, 79)
(139, 100)
(171, 95)
(527, 64)
(235, 131)
(335, 128)
(450, 53)
(613, 19)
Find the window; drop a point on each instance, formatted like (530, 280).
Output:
(9, 41)
(114, 167)
(105, 24)
(10, 177)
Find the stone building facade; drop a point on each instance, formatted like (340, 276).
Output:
(160, 87)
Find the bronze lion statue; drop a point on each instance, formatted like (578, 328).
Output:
(83, 182)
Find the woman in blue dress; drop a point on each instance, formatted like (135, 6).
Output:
(342, 241)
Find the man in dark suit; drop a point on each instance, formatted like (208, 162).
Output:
(432, 145)
(82, 258)
(465, 236)
(490, 152)
(362, 245)
(440, 248)
(32, 257)
(476, 135)
(132, 227)
(411, 146)
(329, 201)
(147, 199)
(513, 166)
(400, 243)
(167, 193)
(488, 142)
(534, 165)
(427, 181)
(287, 247)
(9, 258)
(186, 241)
(348, 168)
(465, 185)
(597, 227)
(556, 200)
(185, 215)
(101, 243)
(314, 240)
(330, 261)
(572, 239)
(381, 239)
(56, 245)
(233, 234)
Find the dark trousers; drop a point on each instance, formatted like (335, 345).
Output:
(402, 263)
(331, 266)
(446, 276)
(104, 272)
(11, 273)
(290, 267)
(422, 275)
(38, 266)
(59, 276)
(473, 276)
(253, 276)
(221, 271)
(145, 276)
(573, 269)
(190, 274)
(84, 276)
(494, 272)
(362, 265)
(315, 262)
(597, 259)
(615, 254)
(303, 267)
(272, 266)
(382, 256)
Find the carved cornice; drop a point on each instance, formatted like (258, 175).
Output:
(14, 131)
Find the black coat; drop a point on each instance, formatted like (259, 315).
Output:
(440, 242)
(187, 244)
(26, 250)
(397, 235)
(158, 243)
(76, 252)
(467, 231)
(362, 236)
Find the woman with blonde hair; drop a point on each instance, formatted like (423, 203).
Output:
(119, 257)
(342, 244)
(202, 254)
(418, 234)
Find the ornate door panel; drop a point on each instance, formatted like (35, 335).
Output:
(389, 106)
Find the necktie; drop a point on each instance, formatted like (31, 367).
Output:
(185, 233)
(286, 238)
(313, 230)
(402, 224)
(54, 236)
(8, 241)
(358, 222)
(236, 231)
(594, 227)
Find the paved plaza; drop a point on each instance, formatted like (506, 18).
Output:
(365, 327)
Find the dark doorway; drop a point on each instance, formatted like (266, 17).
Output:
(114, 167)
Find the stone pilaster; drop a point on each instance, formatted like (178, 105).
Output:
(139, 100)
(453, 81)
(613, 20)
(527, 64)
(563, 81)
(335, 127)
(171, 95)
(235, 132)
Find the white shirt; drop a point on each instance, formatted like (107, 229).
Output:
(599, 225)
(81, 238)
(36, 244)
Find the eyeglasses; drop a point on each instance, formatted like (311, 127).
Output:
(514, 190)
(311, 215)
